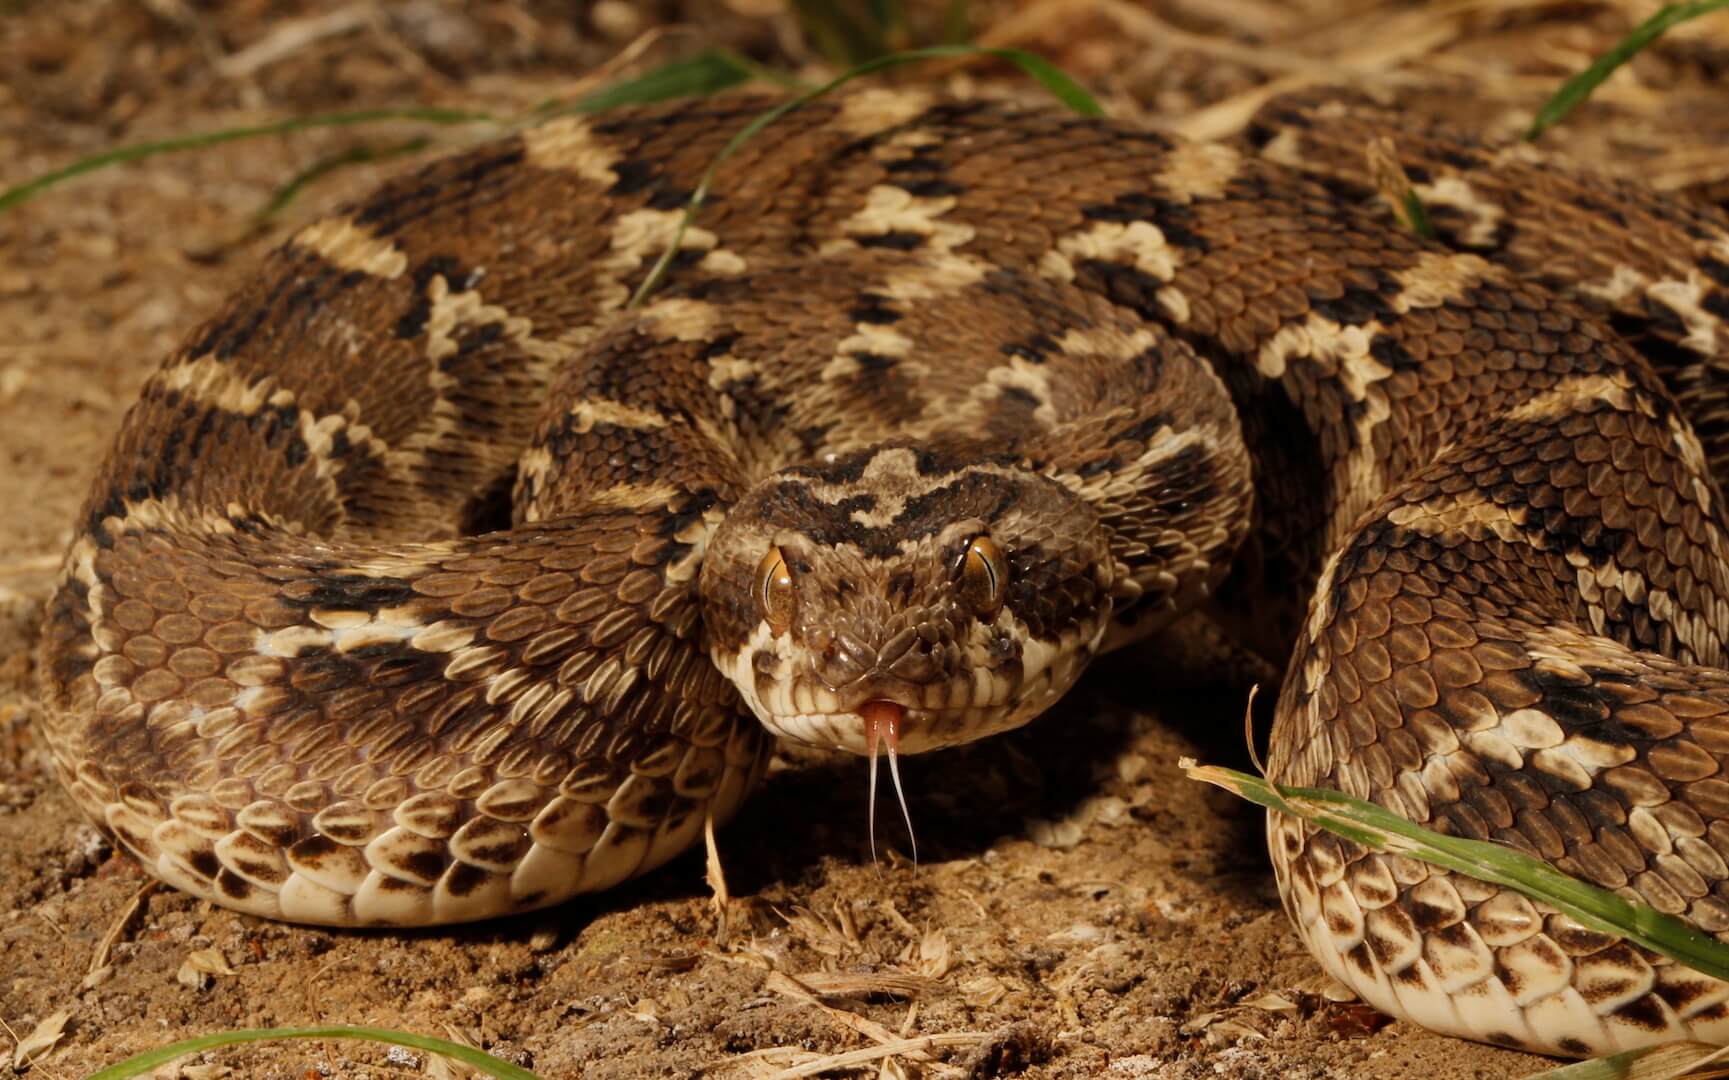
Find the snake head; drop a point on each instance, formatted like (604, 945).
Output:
(969, 593)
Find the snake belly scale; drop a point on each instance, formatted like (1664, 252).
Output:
(426, 583)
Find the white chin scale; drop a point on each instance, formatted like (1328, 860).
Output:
(919, 730)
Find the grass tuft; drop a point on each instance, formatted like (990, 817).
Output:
(852, 33)
(704, 73)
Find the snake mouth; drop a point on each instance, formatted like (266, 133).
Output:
(906, 729)
(882, 724)
(931, 716)
(789, 697)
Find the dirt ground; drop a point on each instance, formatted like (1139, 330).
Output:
(1078, 909)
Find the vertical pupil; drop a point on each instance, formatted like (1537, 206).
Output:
(985, 565)
(776, 590)
(981, 573)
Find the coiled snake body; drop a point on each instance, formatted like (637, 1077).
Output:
(425, 583)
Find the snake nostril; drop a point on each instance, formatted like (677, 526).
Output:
(846, 658)
(915, 665)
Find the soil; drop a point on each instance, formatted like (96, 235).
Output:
(1078, 909)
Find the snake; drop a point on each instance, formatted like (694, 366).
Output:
(433, 578)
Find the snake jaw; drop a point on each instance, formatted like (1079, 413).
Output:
(973, 701)
(794, 705)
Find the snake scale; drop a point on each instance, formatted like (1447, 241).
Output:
(426, 582)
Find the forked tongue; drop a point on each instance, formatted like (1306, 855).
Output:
(882, 721)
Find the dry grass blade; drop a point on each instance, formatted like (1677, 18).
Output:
(1395, 187)
(1249, 730)
(824, 984)
(293, 35)
(720, 897)
(40, 564)
(105, 948)
(898, 1048)
(1392, 44)
(1048, 16)
(789, 987)
(41, 1040)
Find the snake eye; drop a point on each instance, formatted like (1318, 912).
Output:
(984, 577)
(775, 591)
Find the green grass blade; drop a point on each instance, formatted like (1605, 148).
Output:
(1380, 829)
(890, 15)
(142, 1064)
(1574, 91)
(1057, 83)
(1416, 216)
(1394, 184)
(705, 73)
(1054, 79)
(1664, 1062)
(957, 24)
(843, 35)
(354, 155)
(708, 72)
(31, 188)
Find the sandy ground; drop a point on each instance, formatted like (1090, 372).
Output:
(1078, 909)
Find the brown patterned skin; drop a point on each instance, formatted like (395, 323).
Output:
(284, 671)
(287, 675)
(1524, 640)
(1652, 266)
